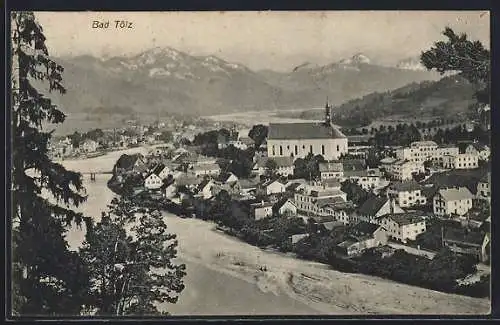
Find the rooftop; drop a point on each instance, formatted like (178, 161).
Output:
(289, 131)
(329, 183)
(454, 194)
(406, 218)
(486, 178)
(333, 166)
(364, 228)
(158, 168)
(330, 201)
(280, 161)
(326, 192)
(372, 205)
(353, 164)
(423, 144)
(405, 186)
(206, 166)
(261, 205)
(388, 160)
(281, 202)
(464, 236)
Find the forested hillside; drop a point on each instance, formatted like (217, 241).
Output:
(450, 97)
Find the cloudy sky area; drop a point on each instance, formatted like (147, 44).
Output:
(263, 40)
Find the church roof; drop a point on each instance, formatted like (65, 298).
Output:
(290, 131)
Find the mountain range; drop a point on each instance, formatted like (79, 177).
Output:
(163, 81)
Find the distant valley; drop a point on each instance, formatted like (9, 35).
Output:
(164, 81)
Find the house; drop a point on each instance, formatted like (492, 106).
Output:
(329, 170)
(375, 207)
(206, 189)
(189, 181)
(422, 151)
(483, 152)
(403, 226)
(363, 236)
(168, 169)
(286, 207)
(461, 161)
(342, 211)
(205, 169)
(403, 169)
(448, 201)
(368, 179)
(297, 140)
(468, 242)
(130, 164)
(484, 188)
(170, 190)
(406, 194)
(284, 165)
(227, 178)
(262, 210)
(358, 144)
(353, 164)
(387, 162)
(90, 145)
(318, 201)
(153, 181)
(273, 186)
(248, 186)
(242, 143)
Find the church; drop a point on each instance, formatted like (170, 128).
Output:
(297, 140)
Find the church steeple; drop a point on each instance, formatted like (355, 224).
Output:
(328, 117)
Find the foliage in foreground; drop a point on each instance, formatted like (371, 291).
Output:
(47, 279)
(129, 255)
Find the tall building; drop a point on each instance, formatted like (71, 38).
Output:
(297, 140)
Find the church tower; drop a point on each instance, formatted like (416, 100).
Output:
(328, 116)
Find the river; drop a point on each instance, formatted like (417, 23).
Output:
(207, 291)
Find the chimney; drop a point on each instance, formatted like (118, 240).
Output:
(262, 202)
(391, 204)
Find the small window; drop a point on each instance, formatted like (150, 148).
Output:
(281, 151)
(322, 149)
(338, 148)
(311, 148)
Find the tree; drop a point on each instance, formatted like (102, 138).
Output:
(469, 58)
(308, 167)
(354, 191)
(47, 279)
(271, 167)
(95, 134)
(130, 262)
(76, 138)
(258, 134)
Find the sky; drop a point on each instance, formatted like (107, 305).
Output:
(262, 40)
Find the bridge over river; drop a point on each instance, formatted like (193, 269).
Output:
(99, 165)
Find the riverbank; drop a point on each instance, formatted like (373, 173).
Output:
(327, 291)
